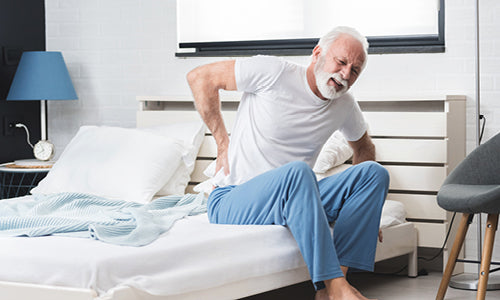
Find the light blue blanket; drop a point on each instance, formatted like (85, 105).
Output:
(112, 221)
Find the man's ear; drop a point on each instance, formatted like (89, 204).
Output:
(316, 53)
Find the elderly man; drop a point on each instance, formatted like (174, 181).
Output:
(263, 173)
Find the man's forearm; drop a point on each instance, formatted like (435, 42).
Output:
(363, 149)
(207, 104)
(364, 154)
(205, 83)
(209, 110)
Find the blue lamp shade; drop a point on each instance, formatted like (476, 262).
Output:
(42, 75)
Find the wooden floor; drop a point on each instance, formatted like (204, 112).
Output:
(386, 287)
(383, 287)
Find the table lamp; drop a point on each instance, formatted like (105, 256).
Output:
(41, 75)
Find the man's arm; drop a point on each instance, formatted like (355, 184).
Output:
(205, 83)
(364, 149)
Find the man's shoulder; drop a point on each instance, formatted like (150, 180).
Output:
(267, 58)
(346, 99)
(262, 72)
(270, 61)
(267, 68)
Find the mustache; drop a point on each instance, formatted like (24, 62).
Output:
(338, 79)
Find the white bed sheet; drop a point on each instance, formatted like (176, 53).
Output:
(193, 256)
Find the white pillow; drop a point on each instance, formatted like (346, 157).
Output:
(192, 134)
(393, 213)
(112, 162)
(335, 152)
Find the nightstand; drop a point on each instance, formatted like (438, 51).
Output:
(16, 180)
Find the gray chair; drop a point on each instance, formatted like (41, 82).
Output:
(473, 187)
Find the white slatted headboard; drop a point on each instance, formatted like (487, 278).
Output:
(418, 141)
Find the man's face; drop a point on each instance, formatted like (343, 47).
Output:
(337, 69)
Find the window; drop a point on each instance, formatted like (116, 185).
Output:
(292, 27)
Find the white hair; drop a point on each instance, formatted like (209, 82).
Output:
(331, 36)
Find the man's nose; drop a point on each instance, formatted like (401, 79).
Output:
(346, 72)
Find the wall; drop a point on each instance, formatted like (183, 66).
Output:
(28, 19)
(118, 49)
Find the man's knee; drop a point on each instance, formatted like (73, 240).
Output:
(297, 166)
(377, 172)
(300, 170)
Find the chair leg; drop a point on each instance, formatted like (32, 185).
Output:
(489, 240)
(455, 250)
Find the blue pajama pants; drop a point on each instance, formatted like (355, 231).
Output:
(290, 195)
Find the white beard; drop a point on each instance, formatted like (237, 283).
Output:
(322, 78)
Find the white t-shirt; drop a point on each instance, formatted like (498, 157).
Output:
(280, 119)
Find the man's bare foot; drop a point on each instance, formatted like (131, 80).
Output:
(340, 289)
(321, 295)
(356, 292)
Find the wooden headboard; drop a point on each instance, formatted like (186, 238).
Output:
(419, 141)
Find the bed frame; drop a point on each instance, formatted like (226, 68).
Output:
(418, 141)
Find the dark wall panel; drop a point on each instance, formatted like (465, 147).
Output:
(22, 28)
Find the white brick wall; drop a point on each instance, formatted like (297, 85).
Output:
(117, 49)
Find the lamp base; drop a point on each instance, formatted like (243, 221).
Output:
(469, 281)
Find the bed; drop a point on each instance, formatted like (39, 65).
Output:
(192, 260)
(419, 140)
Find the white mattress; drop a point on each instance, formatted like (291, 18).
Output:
(194, 255)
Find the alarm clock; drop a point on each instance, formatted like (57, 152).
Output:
(43, 150)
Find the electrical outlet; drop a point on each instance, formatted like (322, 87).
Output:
(9, 124)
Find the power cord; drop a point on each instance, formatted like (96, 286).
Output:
(20, 125)
(482, 117)
(423, 271)
(445, 240)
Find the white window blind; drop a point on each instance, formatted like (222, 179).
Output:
(205, 21)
